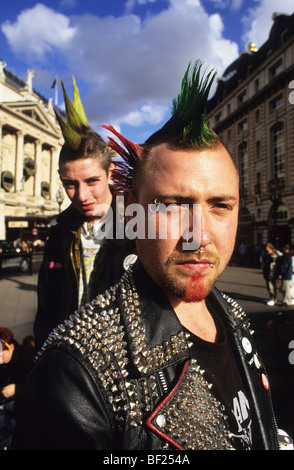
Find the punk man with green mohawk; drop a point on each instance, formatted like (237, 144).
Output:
(162, 360)
(80, 259)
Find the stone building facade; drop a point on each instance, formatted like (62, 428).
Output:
(252, 110)
(30, 142)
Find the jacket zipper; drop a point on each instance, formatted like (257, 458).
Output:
(163, 381)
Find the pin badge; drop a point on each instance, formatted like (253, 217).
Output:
(160, 421)
(265, 381)
(129, 260)
(256, 362)
(246, 345)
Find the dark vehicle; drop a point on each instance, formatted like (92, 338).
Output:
(11, 257)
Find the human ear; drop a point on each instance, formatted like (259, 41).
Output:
(112, 168)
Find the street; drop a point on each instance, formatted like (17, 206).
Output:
(18, 299)
(273, 326)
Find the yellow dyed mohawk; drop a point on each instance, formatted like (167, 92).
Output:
(76, 121)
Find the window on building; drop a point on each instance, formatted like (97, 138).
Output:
(257, 115)
(279, 216)
(276, 103)
(276, 69)
(258, 184)
(244, 216)
(242, 126)
(282, 215)
(278, 152)
(256, 84)
(243, 168)
(242, 97)
(285, 36)
(257, 149)
(218, 118)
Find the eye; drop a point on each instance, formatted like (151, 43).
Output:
(158, 205)
(169, 208)
(222, 206)
(93, 181)
(68, 184)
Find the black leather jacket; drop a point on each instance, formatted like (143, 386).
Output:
(58, 281)
(119, 375)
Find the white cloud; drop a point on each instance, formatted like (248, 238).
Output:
(258, 21)
(134, 62)
(133, 67)
(36, 31)
(130, 4)
(147, 113)
(68, 3)
(232, 4)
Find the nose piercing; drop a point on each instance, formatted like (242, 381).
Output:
(202, 249)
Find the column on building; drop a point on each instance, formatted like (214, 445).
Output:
(38, 167)
(54, 177)
(2, 205)
(1, 126)
(19, 161)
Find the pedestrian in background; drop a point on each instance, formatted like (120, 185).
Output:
(15, 364)
(242, 253)
(292, 280)
(284, 272)
(269, 262)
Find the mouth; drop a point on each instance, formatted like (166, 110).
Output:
(196, 266)
(87, 207)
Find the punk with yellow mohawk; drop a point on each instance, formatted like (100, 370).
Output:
(79, 138)
(82, 258)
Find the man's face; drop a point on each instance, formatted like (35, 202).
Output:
(209, 179)
(86, 184)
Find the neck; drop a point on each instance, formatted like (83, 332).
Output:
(196, 318)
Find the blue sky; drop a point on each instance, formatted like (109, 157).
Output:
(128, 56)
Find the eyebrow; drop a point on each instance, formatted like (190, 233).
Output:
(224, 198)
(190, 200)
(69, 180)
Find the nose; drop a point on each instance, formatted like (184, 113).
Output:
(81, 193)
(198, 234)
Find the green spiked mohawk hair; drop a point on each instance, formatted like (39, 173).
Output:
(186, 129)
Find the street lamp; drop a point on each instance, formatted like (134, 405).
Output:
(59, 198)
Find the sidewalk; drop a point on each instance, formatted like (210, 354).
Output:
(18, 303)
(18, 296)
(247, 287)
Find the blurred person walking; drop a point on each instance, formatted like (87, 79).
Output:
(269, 261)
(284, 273)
